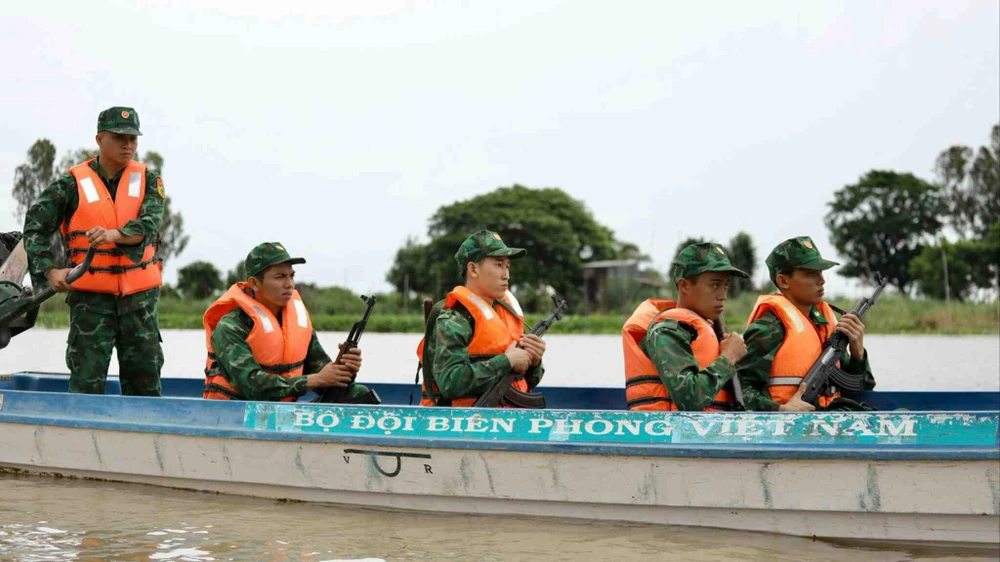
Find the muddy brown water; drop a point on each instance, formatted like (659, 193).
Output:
(45, 518)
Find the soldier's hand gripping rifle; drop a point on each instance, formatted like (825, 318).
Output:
(340, 394)
(824, 371)
(720, 332)
(502, 391)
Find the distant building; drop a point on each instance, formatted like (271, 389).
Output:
(600, 277)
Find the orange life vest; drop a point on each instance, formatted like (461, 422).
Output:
(110, 272)
(802, 345)
(280, 349)
(495, 329)
(644, 388)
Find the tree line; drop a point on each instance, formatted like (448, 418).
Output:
(939, 239)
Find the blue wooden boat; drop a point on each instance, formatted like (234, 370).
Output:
(931, 473)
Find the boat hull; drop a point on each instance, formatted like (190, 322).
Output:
(922, 477)
(848, 499)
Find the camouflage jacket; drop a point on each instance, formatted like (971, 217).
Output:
(668, 346)
(763, 339)
(59, 201)
(236, 362)
(455, 373)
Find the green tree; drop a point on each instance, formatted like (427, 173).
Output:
(198, 280)
(928, 268)
(30, 179)
(629, 251)
(558, 232)
(171, 239)
(881, 223)
(34, 175)
(744, 256)
(238, 273)
(970, 182)
(74, 157)
(409, 269)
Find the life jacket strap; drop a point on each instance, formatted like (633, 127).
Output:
(212, 387)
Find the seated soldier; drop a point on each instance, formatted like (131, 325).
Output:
(261, 342)
(471, 339)
(786, 332)
(673, 357)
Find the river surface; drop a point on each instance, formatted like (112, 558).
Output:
(898, 362)
(44, 518)
(61, 519)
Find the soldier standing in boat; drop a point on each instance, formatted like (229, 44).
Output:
(786, 332)
(261, 345)
(116, 204)
(471, 339)
(674, 359)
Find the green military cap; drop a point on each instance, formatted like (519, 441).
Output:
(485, 244)
(700, 258)
(795, 253)
(265, 255)
(122, 120)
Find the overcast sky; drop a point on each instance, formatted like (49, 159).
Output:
(338, 128)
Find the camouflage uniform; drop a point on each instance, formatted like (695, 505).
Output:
(668, 342)
(765, 335)
(455, 373)
(100, 322)
(234, 358)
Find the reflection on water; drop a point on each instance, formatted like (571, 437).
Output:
(45, 519)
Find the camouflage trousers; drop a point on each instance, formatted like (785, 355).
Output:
(100, 323)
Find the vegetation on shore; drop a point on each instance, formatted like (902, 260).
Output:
(892, 315)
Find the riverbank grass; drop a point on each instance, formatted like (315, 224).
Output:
(891, 315)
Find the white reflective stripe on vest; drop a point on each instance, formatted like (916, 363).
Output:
(486, 309)
(89, 190)
(784, 381)
(264, 320)
(300, 313)
(514, 304)
(134, 182)
(794, 313)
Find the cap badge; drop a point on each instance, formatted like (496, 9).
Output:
(718, 249)
(497, 236)
(124, 115)
(808, 244)
(278, 246)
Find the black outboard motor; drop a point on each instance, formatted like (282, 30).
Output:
(19, 307)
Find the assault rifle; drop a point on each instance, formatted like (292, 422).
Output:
(720, 332)
(824, 371)
(338, 394)
(502, 392)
